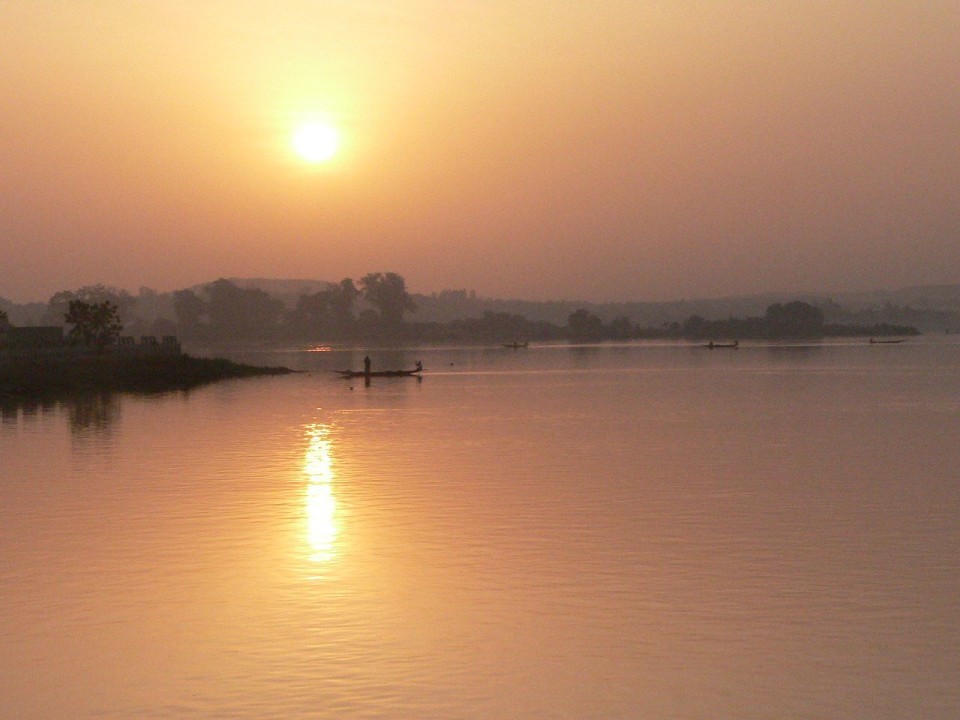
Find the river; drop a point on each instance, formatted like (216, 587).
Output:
(647, 530)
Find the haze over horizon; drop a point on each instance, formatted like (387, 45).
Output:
(524, 149)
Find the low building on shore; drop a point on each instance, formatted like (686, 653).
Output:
(33, 338)
(148, 345)
(50, 340)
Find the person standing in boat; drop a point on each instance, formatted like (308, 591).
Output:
(419, 366)
(366, 365)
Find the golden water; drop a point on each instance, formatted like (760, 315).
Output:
(616, 532)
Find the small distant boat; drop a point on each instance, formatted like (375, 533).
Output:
(716, 346)
(515, 345)
(885, 342)
(346, 374)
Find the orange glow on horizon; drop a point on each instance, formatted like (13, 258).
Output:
(654, 151)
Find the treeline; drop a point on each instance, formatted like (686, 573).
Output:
(224, 312)
(373, 308)
(379, 308)
(57, 376)
(792, 320)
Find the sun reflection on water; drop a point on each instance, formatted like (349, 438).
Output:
(321, 502)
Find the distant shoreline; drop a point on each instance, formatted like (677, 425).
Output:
(38, 376)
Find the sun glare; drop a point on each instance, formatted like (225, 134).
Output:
(321, 502)
(316, 142)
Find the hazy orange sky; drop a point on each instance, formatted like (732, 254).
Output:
(521, 148)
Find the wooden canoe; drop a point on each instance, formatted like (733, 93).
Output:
(379, 373)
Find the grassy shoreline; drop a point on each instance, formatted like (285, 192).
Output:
(64, 375)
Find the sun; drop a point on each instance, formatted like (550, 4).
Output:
(316, 142)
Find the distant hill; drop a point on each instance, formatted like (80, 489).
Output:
(287, 290)
(921, 297)
(928, 307)
(25, 314)
(934, 308)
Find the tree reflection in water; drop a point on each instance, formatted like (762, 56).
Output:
(9, 410)
(95, 413)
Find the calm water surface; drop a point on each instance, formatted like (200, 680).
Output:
(643, 531)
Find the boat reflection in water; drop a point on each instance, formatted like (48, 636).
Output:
(321, 508)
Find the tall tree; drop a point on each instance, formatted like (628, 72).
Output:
(343, 297)
(311, 317)
(387, 292)
(328, 312)
(584, 325)
(189, 310)
(794, 319)
(59, 304)
(235, 312)
(95, 324)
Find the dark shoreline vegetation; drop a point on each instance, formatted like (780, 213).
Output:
(63, 375)
(100, 353)
(378, 309)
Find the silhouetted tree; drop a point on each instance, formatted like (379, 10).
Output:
(387, 292)
(621, 329)
(343, 297)
(369, 323)
(4, 325)
(495, 326)
(241, 313)
(96, 324)
(694, 327)
(59, 304)
(584, 325)
(327, 313)
(795, 319)
(189, 310)
(311, 317)
(163, 326)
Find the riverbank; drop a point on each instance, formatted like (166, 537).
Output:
(54, 376)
